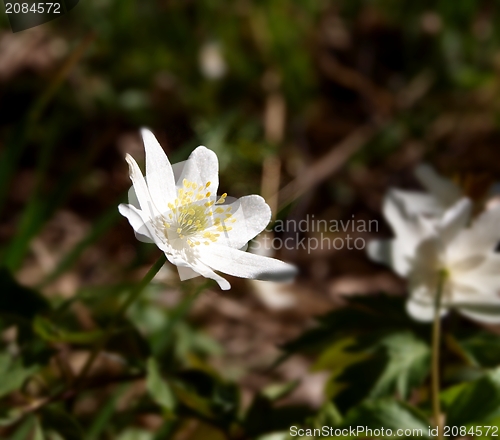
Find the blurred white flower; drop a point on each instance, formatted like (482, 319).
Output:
(425, 249)
(442, 193)
(194, 228)
(212, 63)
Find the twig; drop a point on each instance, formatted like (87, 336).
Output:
(327, 165)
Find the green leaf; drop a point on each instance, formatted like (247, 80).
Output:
(135, 434)
(19, 300)
(372, 348)
(207, 394)
(275, 436)
(38, 432)
(355, 383)
(13, 373)
(193, 401)
(340, 355)
(24, 429)
(50, 332)
(473, 402)
(279, 391)
(388, 414)
(328, 415)
(101, 419)
(408, 361)
(482, 349)
(158, 388)
(376, 365)
(364, 315)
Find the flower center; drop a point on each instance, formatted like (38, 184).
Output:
(193, 216)
(191, 219)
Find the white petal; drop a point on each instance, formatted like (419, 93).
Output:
(201, 167)
(410, 231)
(418, 203)
(135, 219)
(392, 254)
(413, 227)
(484, 278)
(203, 269)
(477, 303)
(186, 273)
(454, 220)
(186, 257)
(252, 215)
(395, 213)
(244, 264)
(423, 309)
(482, 237)
(420, 311)
(141, 223)
(140, 187)
(425, 264)
(443, 189)
(159, 174)
(176, 259)
(485, 313)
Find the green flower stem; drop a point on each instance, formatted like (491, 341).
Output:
(436, 339)
(133, 295)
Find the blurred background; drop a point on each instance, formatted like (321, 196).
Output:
(319, 106)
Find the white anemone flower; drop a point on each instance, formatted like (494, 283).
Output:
(191, 225)
(446, 253)
(442, 193)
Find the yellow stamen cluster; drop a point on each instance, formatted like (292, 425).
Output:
(191, 219)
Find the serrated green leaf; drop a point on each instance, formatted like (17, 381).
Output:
(278, 391)
(106, 411)
(135, 434)
(354, 384)
(38, 432)
(13, 373)
(408, 363)
(388, 414)
(482, 349)
(193, 401)
(339, 356)
(328, 415)
(24, 429)
(158, 388)
(474, 402)
(206, 393)
(375, 365)
(274, 436)
(363, 315)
